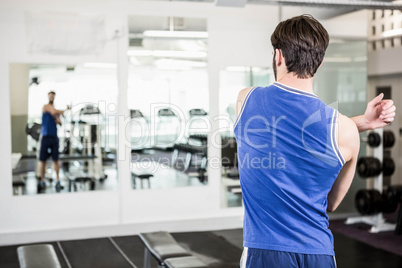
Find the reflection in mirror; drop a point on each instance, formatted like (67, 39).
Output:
(232, 80)
(63, 127)
(168, 100)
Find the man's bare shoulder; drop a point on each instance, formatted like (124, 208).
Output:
(45, 107)
(243, 93)
(347, 126)
(241, 97)
(348, 136)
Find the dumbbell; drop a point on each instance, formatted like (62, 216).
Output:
(388, 166)
(371, 166)
(391, 198)
(374, 139)
(369, 202)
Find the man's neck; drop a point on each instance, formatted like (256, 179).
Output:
(291, 80)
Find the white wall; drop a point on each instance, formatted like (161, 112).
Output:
(238, 36)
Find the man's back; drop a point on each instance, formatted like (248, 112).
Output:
(288, 162)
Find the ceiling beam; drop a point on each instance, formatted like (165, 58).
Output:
(357, 5)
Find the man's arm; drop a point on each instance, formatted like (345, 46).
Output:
(57, 120)
(349, 145)
(240, 99)
(379, 113)
(54, 112)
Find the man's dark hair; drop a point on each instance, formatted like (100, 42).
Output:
(51, 92)
(303, 41)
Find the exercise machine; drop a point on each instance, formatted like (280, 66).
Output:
(197, 123)
(167, 129)
(139, 131)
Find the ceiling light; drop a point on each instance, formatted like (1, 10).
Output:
(176, 34)
(174, 68)
(179, 63)
(167, 54)
(99, 65)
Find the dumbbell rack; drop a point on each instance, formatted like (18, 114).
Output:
(377, 221)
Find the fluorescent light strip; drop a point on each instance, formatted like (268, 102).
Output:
(99, 65)
(179, 63)
(167, 53)
(176, 34)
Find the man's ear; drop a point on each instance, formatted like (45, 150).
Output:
(278, 57)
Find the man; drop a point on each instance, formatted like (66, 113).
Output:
(297, 156)
(49, 141)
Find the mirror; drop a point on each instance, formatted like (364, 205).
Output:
(83, 138)
(168, 101)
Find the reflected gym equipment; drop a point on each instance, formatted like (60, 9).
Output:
(197, 124)
(33, 130)
(138, 137)
(371, 166)
(136, 114)
(142, 177)
(196, 156)
(200, 138)
(229, 157)
(166, 112)
(197, 112)
(164, 136)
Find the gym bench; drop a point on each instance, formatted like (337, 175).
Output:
(167, 252)
(38, 256)
(142, 177)
(18, 184)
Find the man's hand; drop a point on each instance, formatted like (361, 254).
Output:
(379, 113)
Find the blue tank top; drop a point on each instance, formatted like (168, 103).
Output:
(288, 162)
(49, 127)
